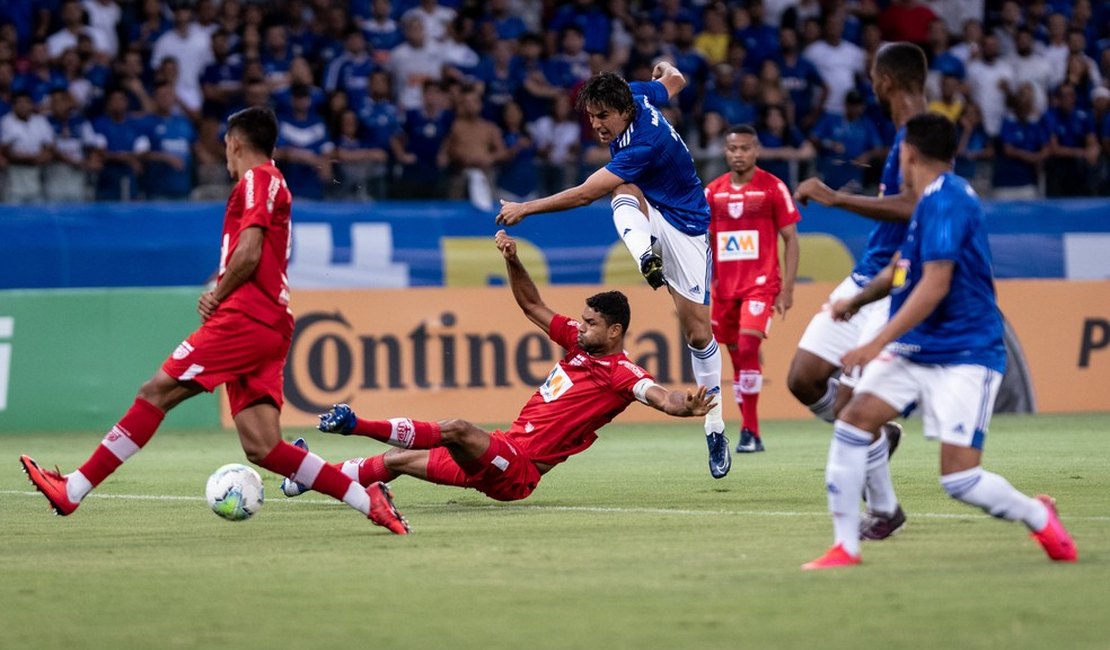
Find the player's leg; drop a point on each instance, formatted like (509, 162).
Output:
(958, 408)
(155, 398)
(630, 218)
(755, 323)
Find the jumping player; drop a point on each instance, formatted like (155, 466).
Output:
(898, 76)
(243, 342)
(942, 349)
(750, 209)
(590, 386)
(657, 202)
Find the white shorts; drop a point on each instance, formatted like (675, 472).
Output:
(830, 339)
(956, 401)
(687, 261)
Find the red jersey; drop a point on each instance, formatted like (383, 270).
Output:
(582, 394)
(261, 199)
(744, 223)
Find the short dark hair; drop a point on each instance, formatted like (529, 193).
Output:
(613, 307)
(933, 135)
(905, 63)
(607, 90)
(259, 127)
(742, 129)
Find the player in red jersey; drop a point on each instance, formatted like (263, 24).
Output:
(749, 210)
(243, 340)
(590, 386)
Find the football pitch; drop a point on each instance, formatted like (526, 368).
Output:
(630, 545)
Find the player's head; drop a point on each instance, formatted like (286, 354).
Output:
(250, 132)
(604, 322)
(898, 68)
(607, 101)
(930, 142)
(741, 148)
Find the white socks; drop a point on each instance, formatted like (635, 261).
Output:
(825, 408)
(844, 479)
(707, 372)
(995, 496)
(632, 226)
(879, 488)
(77, 486)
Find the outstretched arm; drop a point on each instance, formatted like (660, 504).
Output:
(524, 290)
(688, 403)
(895, 207)
(599, 184)
(670, 77)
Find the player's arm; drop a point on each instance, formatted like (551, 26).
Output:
(895, 207)
(793, 254)
(936, 280)
(688, 403)
(668, 75)
(600, 183)
(240, 266)
(877, 289)
(524, 290)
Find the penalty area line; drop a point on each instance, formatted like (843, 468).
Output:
(543, 508)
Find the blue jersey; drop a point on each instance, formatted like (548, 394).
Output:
(949, 225)
(173, 135)
(886, 237)
(652, 155)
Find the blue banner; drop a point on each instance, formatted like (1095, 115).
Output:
(400, 244)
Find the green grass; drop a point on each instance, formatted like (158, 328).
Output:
(630, 545)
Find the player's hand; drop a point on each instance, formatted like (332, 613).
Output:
(207, 304)
(813, 189)
(660, 70)
(854, 361)
(842, 310)
(783, 303)
(697, 403)
(511, 213)
(505, 244)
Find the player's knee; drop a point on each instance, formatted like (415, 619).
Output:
(155, 392)
(256, 451)
(802, 384)
(627, 188)
(454, 431)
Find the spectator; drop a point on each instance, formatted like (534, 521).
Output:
(907, 20)
(40, 77)
(460, 61)
(591, 21)
(506, 25)
(277, 57)
(646, 50)
(760, 38)
(302, 37)
(1029, 67)
(691, 63)
(837, 61)
(300, 74)
(801, 81)
(73, 23)
(192, 47)
(517, 176)
(1022, 144)
(168, 157)
(970, 48)
(558, 139)
(723, 97)
(350, 71)
(425, 130)
(974, 147)
(1009, 21)
(381, 123)
(571, 64)
(950, 103)
(991, 80)
(413, 63)
(473, 149)
(79, 86)
(360, 164)
(713, 41)
(28, 143)
(538, 85)
(303, 148)
(500, 79)
(942, 62)
(222, 81)
(708, 148)
(1073, 146)
(1079, 75)
(1077, 49)
(782, 145)
(1056, 51)
(65, 177)
(956, 13)
(119, 139)
(433, 16)
(846, 145)
(129, 78)
(382, 32)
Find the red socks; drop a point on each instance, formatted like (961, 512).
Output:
(311, 470)
(401, 432)
(133, 431)
(748, 379)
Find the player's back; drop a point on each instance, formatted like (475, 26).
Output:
(949, 225)
(651, 154)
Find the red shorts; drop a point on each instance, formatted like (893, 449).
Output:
(235, 350)
(502, 473)
(731, 315)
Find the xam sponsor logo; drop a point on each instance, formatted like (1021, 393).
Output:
(7, 328)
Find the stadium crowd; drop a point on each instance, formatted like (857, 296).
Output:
(123, 100)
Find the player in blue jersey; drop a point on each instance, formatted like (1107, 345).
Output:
(898, 76)
(942, 349)
(660, 211)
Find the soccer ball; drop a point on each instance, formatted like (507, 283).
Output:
(234, 492)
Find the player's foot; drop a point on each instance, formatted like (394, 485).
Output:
(1054, 538)
(833, 558)
(720, 459)
(893, 432)
(289, 487)
(383, 512)
(749, 443)
(875, 526)
(339, 419)
(651, 266)
(52, 485)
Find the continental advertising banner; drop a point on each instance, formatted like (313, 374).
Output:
(470, 353)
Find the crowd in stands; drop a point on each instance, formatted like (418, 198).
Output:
(114, 100)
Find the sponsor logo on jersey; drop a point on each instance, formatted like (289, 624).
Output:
(558, 383)
(901, 273)
(737, 245)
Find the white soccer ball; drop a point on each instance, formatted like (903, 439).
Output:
(234, 492)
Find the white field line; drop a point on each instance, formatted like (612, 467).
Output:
(593, 509)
